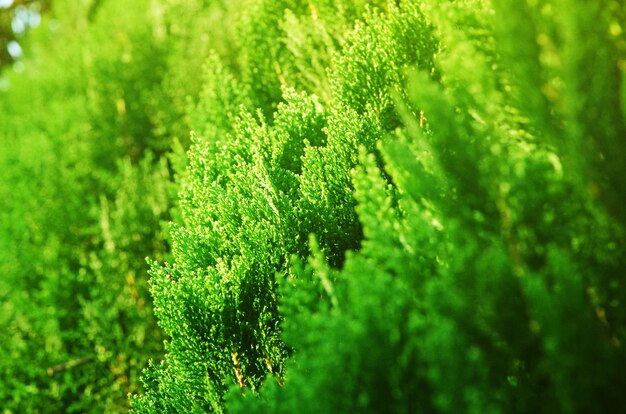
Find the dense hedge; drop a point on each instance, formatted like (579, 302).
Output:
(84, 190)
(383, 206)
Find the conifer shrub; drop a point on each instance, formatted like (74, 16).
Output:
(253, 192)
(83, 197)
(477, 286)
(464, 256)
(376, 206)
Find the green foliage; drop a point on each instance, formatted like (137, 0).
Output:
(383, 206)
(231, 278)
(255, 189)
(488, 277)
(82, 203)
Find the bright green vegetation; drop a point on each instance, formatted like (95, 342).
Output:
(347, 206)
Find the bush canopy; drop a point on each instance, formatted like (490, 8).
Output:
(315, 206)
